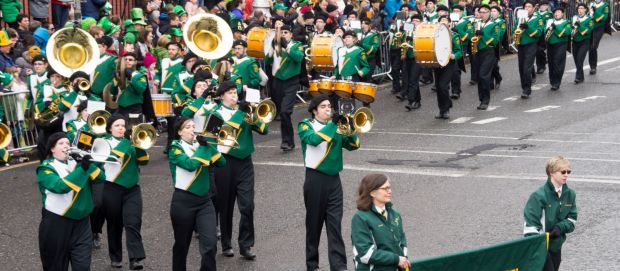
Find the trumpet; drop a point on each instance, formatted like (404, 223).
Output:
(226, 136)
(265, 111)
(143, 136)
(361, 121)
(97, 121)
(83, 85)
(100, 152)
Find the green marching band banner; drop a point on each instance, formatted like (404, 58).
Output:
(524, 254)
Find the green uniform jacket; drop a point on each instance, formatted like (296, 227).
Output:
(198, 109)
(67, 99)
(104, 73)
(370, 43)
(377, 241)
(290, 63)
(490, 36)
(236, 119)
(535, 28)
(502, 28)
(561, 31)
(127, 173)
(322, 146)
(35, 86)
(65, 187)
(544, 204)
(5, 156)
(466, 30)
(189, 166)
(180, 91)
(72, 128)
(133, 91)
(584, 29)
(249, 71)
(457, 50)
(601, 12)
(353, 61)
(170, 80)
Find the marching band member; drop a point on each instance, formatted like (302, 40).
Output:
(235, 181)
(396, 28)
(465, 29)
(322, 151)
(319, 26)
(122, 196)
(105, 70)
(370, 42)
(474, 67)
(496, 12)
(485, 58)
(532, 29)
(582, 29)
(132, 84)
(430, 14)
(36, 80)
(71, 100)
(286, 67)
(599, 10)
(411, 74)
(191, 206)
(556, 46)
(180, 92)
(64, 232)
(170, 67)
(199, 108)
(79, 123)
(444, 74)
(541, 57)
(352, 63)
(245, 66)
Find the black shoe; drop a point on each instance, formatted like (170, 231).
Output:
(288, 148)
(498, 84)
(482, 107)
(472, 82)
(136, 265)
(283, 145)
(247, 254)
(400, 97)
(533, 80)
(455, 96)
(96, 241)
(540, 71)
(577, 81)
(412, 106)
(593, 71)
(554, 88)
(114, 264)
(525, 96)
(228, 252)
(218, 233)
(444, 115)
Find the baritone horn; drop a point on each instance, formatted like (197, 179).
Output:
(97, 121)
(143, 136)
(226, 136)
(357, 123)
(72, 49)
(208, 36)
(265, 112)
(5, 135)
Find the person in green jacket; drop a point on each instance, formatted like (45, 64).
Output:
(370, 43)
(322, 151)
(9, 9)
(64, 184)
(545, 15)
(582, 28)
(352, 62)
(191, 207)
(488, 32)
(106, 69)
(132, 88)
(78, 124)
(465, 29)
(600, 13)
(201, 103)
(245, 66)
(556, 46)
(235, 181)
(532, 28)
(122, 196)
(379, 242)
(552, 209)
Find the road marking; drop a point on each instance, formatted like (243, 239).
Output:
(451, 174)
(538, 86)
(462, 120)
(613, 69)
(599, 63)
(541, 109)
(493, 107)
(485, 121)
(512, 98)
(583, 100)
(19, 165)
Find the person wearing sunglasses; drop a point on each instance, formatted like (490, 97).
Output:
(554, 202)
(379, 242)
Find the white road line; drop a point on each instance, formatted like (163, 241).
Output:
(462, 120)
(493, 107)
(485, 121)
(541, 109)
(512, 98)
(601, 63)
(583, 100)
(613, 69)
(538, 86)
(450, 174)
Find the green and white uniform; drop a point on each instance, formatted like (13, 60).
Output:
(199, 109)
(248, 69)
(167, 75)
(126, 173)
(322, 146)
(189, 164)
(350, 60)
(104, 74)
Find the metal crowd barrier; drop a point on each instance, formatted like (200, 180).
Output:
(384, 54)
(23, 131)
(614, 12)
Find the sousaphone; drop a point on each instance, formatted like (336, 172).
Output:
(72, 49)
(208, 36)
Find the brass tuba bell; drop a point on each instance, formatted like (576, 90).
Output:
(72, 49)
(265, 111)
(143, 136)
(358, 123)
(97, 121)
(5, 135)
(208, 36)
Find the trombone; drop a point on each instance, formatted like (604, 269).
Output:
(265, 112)
(361, 121)
(100, 152)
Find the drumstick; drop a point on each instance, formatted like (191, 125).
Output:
(323, 76)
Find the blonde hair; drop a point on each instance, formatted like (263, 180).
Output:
(556, 163)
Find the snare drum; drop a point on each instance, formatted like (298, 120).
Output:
(365, 92)
(259, 41)
(162, 105)
(313, 89)
(324, 52)
(433, 45)
(326, 86)
(343, 88)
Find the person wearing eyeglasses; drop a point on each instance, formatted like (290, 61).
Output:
(554, 202)
(379, 242)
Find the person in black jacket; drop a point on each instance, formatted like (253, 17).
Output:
(90, 8)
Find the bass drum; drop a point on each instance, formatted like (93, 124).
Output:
(324, 52)
(259, 41)
(433, 45)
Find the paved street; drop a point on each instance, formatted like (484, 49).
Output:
(459, 183)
